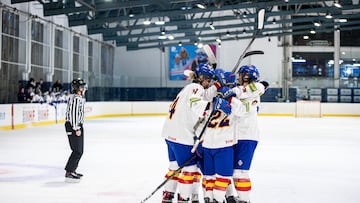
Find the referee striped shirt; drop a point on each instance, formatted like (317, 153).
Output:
(75, 111)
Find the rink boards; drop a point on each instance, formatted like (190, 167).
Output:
(16, 116)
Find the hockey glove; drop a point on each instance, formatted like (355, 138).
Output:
(225, 93)
(220, 78)
(266, 84)
(222, 105)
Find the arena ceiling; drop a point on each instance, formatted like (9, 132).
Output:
(141, 24)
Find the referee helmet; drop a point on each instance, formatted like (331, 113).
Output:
(76, 84)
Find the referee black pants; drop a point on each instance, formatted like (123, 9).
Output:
(77, 147)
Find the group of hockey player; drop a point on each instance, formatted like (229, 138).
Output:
(228, 133)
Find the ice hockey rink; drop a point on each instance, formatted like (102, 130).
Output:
(312, 160)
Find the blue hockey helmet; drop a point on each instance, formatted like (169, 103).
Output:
(251, 71)
(254, 73)
(201, 57)
(205, 70)
(243, 69)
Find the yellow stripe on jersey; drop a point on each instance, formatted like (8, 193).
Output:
(193, 100)
(252, 86)
(247, 104)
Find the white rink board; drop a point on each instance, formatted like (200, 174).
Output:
(37, 114)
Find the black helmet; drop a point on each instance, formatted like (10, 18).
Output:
(77, 83)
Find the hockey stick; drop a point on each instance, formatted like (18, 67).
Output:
(211, 56)
(250, 53)
(168, 178)
(261, 16)
(197, 141)
(184, 164)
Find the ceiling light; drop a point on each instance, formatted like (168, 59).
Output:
(160, 22)
(328, 15)
(227, 33)
(244, 14)
(219, 44)
(171, 37)
(337, 4)
(163, 31)
(305, 37)
(274, 21)
(186, 8)
(131, 14)
(218, 40)
(340, 20)
(317, 24)
(312, 31)
(147, 22)
(180, 44)
(212, 26)
(162, 37)
(200, 5)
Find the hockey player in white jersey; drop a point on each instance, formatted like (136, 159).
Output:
(219, 139)
(189, 105)
(246, 129)
(218, 152)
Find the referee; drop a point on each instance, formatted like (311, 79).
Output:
(74, 128)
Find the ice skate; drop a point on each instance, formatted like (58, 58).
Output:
(167, 197)
(207, 200)
(71, 177)
(182, 200)
(79, 174)
(230, 199)
(195, 198)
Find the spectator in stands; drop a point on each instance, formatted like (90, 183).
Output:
(47, 97)
(31, 84)
(57, 86)
(42, 86)
(21, 95)
(37, 98)
(29, 94)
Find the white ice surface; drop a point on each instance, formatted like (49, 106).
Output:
(298, 160)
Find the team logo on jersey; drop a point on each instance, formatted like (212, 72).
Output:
(240, 162)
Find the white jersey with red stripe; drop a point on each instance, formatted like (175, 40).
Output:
(246, 125)
(188, 106)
